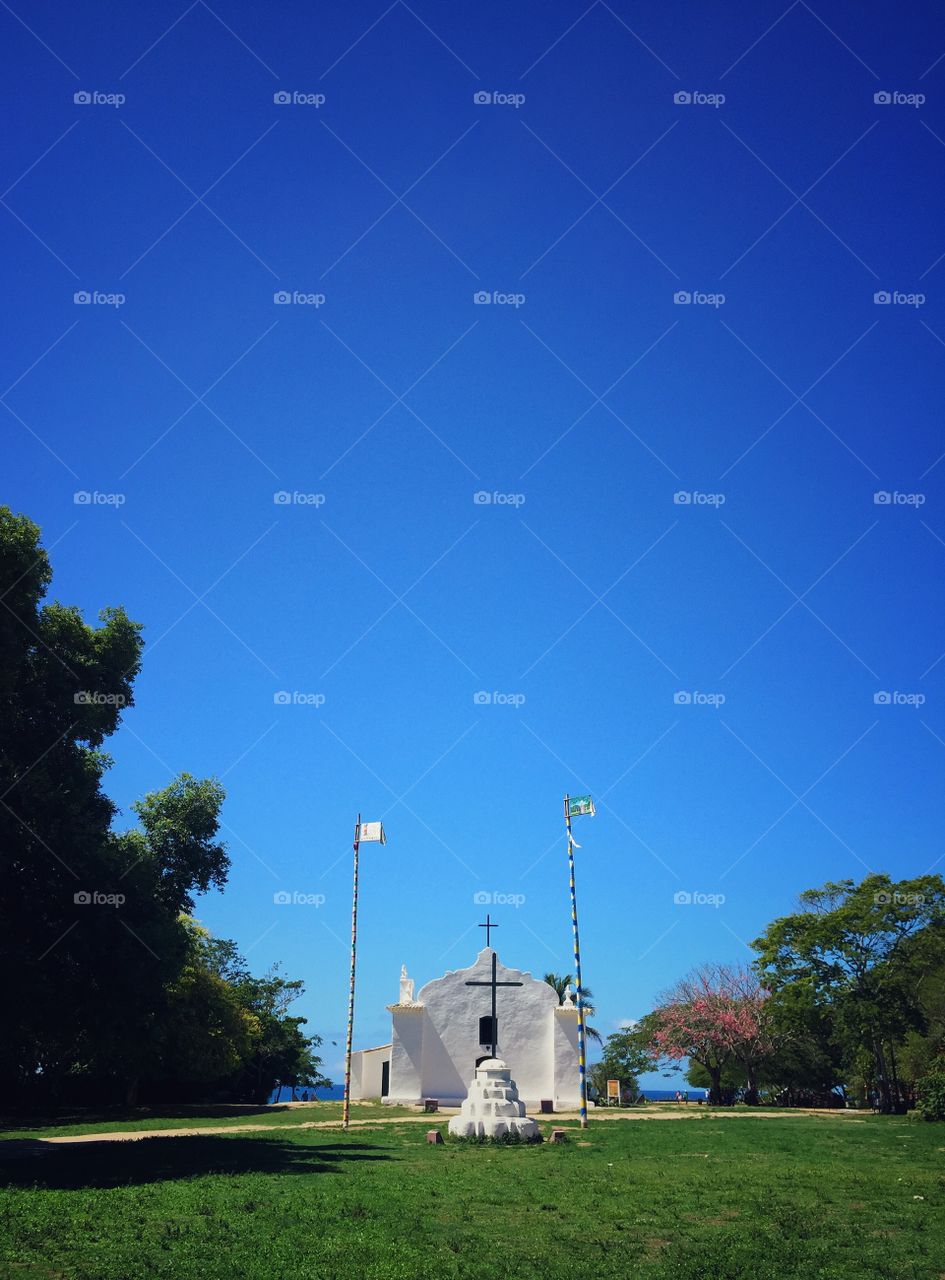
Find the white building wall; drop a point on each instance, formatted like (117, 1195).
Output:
(451, 1046)
(567, 1087)
(367, 1068)
(406, 1060)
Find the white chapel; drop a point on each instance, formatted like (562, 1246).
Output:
(456, 1022)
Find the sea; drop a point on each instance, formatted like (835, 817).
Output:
(336, 1092)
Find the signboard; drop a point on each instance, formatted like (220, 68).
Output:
(578, 805)
(613, 1090)
(371, 831)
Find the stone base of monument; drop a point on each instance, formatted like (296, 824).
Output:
(492, 1108)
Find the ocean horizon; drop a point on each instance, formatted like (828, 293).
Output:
(336, 1092)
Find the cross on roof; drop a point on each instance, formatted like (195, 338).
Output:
(494, 983)
(488, 926)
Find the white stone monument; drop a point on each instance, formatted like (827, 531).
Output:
(492, 1108)
(406, 987)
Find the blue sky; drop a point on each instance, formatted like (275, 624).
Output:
(582, 199)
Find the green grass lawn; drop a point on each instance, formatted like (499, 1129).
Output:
(741, 1198)
(130, 1119)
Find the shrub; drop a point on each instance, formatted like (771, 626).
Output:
(930, 1092)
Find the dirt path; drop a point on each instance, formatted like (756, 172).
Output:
(688, 1113)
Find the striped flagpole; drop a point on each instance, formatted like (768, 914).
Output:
(582, 1036)
(354, 948)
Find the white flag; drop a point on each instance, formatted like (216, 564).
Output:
(372, 831)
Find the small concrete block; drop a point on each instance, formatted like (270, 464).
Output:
(547, 1106)
(431, 1104)
(558, 1135)
(434, 1136)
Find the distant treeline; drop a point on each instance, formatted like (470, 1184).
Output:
(845, 1003)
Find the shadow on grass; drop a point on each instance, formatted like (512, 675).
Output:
(119, 1115)
(71, 1166)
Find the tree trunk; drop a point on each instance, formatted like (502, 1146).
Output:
(715, 1092)
(882, 1078)
(751, 1090)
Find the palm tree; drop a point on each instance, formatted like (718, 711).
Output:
(560, 981)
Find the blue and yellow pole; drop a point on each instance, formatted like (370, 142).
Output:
(582, 1035)
(354, 948)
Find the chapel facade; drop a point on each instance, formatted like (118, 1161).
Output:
(488, 1010)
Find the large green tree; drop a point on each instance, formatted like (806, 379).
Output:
(857, 955)
(89, 918)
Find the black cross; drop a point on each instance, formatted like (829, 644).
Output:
(488, 926)
(494, 983)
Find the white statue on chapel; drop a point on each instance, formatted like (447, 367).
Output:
(406, 986)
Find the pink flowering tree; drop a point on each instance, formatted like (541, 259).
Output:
(715, 1016)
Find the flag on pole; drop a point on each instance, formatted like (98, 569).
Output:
(370, 831)
(578, 805)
